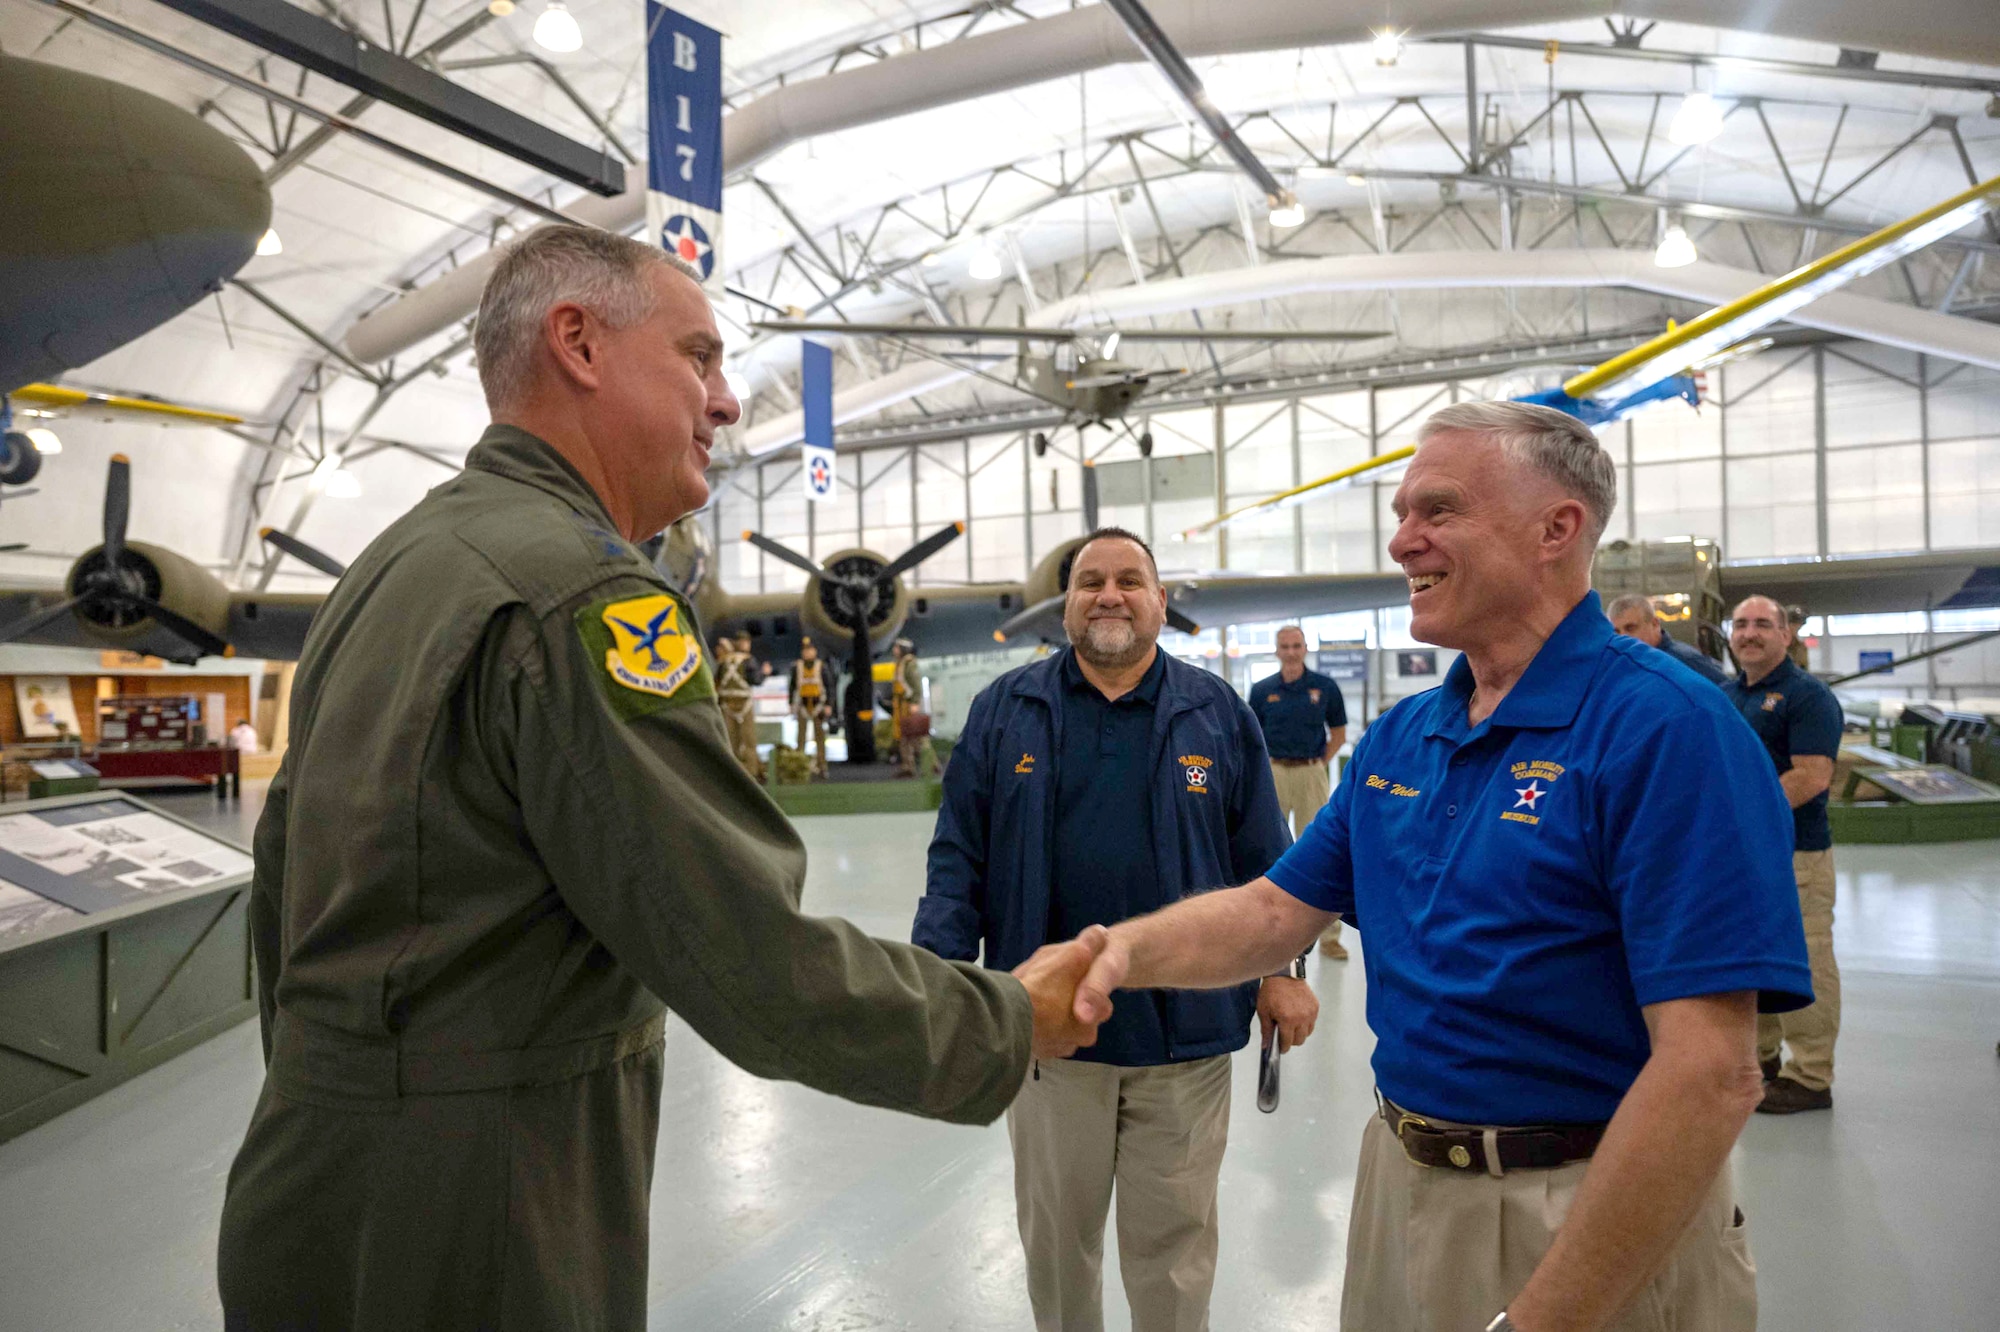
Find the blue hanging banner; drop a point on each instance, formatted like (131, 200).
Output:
(684, 139)
(816, 402)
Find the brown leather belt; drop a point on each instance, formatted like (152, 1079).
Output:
(1493, 1151)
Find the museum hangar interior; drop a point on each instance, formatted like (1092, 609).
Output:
(1197, 271)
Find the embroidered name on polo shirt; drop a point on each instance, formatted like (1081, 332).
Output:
(1393, 788)
(1197, 766)
(1026, 765)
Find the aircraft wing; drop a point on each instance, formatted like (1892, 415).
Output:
(271, 625)
(1861, 584)
(1235, 598)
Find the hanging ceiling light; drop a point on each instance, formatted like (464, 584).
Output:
(1110, 346)
(556, 29)
(268, 244)
(1286, 210)
(1676, 250)
(342, 484)
(1698, 120)
(985, 263)
(1388, 46)
(44, 440)
(499, 8)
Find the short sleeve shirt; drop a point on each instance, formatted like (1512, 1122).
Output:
(1296, 716)
(1793, 714)
(1610, 837)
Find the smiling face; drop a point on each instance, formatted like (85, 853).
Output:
(1758, 636)
(660, 399)
(1115, 604)
(1478, 536)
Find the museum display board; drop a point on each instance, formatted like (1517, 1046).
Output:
(124, 940)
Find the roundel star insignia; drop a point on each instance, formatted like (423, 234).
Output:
(1196, 777)
(684, 238)
(1530, 795)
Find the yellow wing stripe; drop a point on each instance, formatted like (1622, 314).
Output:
(1286, 497)
(1799, 287)
(55, 396)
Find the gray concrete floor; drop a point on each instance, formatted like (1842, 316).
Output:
(779, 1208)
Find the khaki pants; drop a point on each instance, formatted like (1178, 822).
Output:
(1437, 1250)
(1810, 1031)
(1302, 792)
(1158, 1134)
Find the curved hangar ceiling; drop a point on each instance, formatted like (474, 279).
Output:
(1092, 37)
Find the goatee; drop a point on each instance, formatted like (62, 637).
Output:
(1124, 646)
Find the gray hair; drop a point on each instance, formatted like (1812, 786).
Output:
(1632, 601)
(601, 271)
(1554, 443)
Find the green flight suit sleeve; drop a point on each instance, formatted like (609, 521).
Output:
(685, 870)
(267, 894)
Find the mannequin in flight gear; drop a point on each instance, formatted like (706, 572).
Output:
(739, 715)
(812, 701)
(907, 698)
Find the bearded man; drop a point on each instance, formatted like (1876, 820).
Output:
(1101, 783)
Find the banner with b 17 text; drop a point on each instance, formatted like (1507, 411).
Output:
(684, 140)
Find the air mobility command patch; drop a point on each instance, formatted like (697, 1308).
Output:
(651, 650)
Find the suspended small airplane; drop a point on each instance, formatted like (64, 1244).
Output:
(1672, 365)
(1081, 374)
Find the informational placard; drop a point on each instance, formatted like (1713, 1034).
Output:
(1875, 661)
(1931, 784)
(1421, 662)
(816, 405)
(106, 853)
(47, 711)
(684, 140)
(1342, 661)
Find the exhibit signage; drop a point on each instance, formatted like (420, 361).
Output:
(684, 140)
(816, 402)
(1342, 661)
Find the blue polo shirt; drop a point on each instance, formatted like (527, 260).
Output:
(1693, 658)
(1610, 837)
(1103, 865)
(1297, 716)
(1792, 713)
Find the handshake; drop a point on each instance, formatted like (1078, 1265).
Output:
(1070, 985)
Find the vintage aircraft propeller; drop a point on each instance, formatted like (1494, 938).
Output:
(115, 586)
(302, 552)
(851, 592)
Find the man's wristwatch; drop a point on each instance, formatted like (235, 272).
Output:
(1501, 1323)
(1296, 970)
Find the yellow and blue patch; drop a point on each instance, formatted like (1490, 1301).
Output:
(651, 649)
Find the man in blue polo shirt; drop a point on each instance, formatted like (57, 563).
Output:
(1100, 783)
(1633, 616)
(1305, 724)
(1569, 864)
(1799, 721)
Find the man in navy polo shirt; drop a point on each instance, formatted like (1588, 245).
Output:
(1633, 616)
(1305, 724)
(1100, 783)
(1569, 863)
(1799, 721)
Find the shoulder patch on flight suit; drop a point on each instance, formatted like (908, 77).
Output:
(651, 650)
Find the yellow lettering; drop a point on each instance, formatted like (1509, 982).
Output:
(1379, 783)
(1511, 817)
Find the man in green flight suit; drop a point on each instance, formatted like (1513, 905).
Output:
(509, 834)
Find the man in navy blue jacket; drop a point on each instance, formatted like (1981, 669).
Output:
(1102, 783)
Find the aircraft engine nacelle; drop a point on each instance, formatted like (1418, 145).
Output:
(160, 575)
(1051, 575)
(829, 616)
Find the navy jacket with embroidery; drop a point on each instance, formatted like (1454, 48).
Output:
(990, 858)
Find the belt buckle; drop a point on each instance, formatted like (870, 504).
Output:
(1404, 1119)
